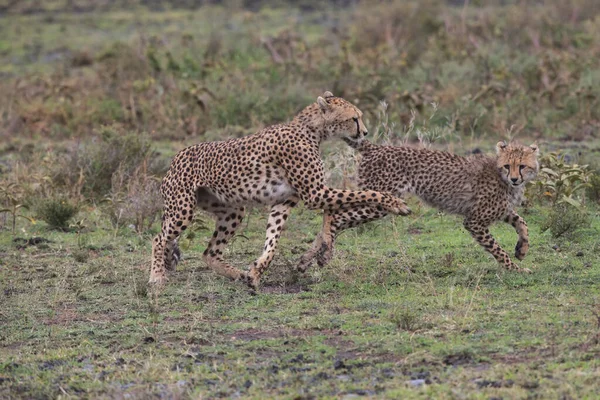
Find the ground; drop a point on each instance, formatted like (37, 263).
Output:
(410, 307)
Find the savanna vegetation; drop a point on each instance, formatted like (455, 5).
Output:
(98, 95)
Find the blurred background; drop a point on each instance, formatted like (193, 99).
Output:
(182, 67)
(105, 92)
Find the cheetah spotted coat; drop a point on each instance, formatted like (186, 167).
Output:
(482, 189)
(278, 166)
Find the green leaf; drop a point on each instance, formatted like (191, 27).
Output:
(549, 171)
(570, 201)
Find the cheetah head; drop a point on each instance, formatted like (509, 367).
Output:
(341, 119)
(517, 164)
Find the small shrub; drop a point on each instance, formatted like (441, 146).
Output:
(81, 255)
(12, 198)
(56, 212)
(134, 199)
(593, 191)
(88, 169)
(140, 291)
(561, 182)
(405, 319)
(564, 220)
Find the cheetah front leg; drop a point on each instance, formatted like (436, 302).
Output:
(482, 235)
(520, 226)
(277, 219)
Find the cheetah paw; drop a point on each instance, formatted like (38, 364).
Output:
(305, 262)
(251, 281)
(398, 206)
(157, 280)
(521, 250)
(324, 255)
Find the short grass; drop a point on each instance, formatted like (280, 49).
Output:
(410, 307)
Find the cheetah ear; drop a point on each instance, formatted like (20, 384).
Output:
(328, 94)
(500, 146)
(535, 149)
(323, 104)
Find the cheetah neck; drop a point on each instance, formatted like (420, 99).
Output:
(310, 122)
(516, 194)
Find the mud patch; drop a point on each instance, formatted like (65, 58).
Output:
(257, 334)
(22, 243)
(284, 289)
(460, 358)
(494, 384)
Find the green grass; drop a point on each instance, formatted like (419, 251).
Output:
(410, 307)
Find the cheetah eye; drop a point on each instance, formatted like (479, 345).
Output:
(507, 167)
(355, 119)
(521, 167)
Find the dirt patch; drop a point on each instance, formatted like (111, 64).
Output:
(338, 342)
(284, 289)
(64, 316)
(22, 243)
(460, 358)
(494, 384)
(257, 334)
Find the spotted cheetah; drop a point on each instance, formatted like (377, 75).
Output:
(482, 189)
(278, 166)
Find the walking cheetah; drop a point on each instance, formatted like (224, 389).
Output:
(278, 166)
(482, 189)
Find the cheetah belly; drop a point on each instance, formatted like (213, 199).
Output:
(277, 191)
(265, 191)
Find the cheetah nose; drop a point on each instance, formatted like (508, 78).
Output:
(365, 133)
(514, 180)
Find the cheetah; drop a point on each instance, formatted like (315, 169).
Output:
(482, 189)
(277, 166)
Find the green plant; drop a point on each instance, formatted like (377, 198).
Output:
(565, 220)
(198, 225)
(561, 182)
(593, 190)
(13, 198)
(81, 255)
(134, 199)
(405, 319)
(56, 212)
(90, 167)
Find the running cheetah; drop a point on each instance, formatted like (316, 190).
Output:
(482, 189)
(278, 166)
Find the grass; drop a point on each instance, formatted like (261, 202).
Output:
(97, 104)
(409, 307)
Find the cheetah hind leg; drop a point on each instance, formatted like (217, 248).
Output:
(346, 219)
(333, 224)
(319, 251)
(164, 244)
(228, 221)
(319, 248)
(174, 257)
